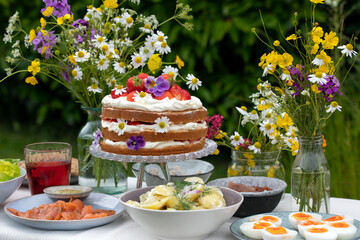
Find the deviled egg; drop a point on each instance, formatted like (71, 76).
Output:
(278, 233)
(253, 229)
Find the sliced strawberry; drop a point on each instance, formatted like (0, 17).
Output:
(175, 86)
(135, 123)
(176, 93)
(185, 95)
(109, 120)
(137, 83)
(165, 76)
(130, 96)
(114, 95)
(165, 94)
(143, 76)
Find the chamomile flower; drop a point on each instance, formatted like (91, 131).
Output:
(111, 82)
(120, 67)
(236, 139)
(81, 56)
(242, 110)
(333, 107)
(268, 68)
(147, 51)
(98, 40)
(121, 127)
(256, 147)
(276, 137)
(348, 50)
(162, 47)
(318, 77)
(103, 63)
(318, 60)
(77, 73)
(141, 96)
(285, 75)
(94, 88)
(193, 82)
(162, 124)
(106, 47)
(146, 28)
(305, 92)
(159, 37)
(137, 60)
(92, 14)
(126, 20)
(120, 90)
(266, 128)
(171, 71)
(254, 115)
(245, 120)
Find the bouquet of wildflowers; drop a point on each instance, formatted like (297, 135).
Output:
(307, 87)
(96, 53)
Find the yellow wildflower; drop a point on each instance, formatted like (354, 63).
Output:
(179, 62)
(154, 62)
(248, 155)
(284, 122)
(31, 80)
(42, 22)
(315, 89)
(111, 4)
(294, 148)
(292, 37)
(48, 11)
(32, 35)
(316, 34)
(285, 60)
(279, 90)
(220, 135)
(271, 172)
(44, 49)
(276, 43)
(34, 68)
(330, 40)
(262, 60)
(251, 163)
(317, 1)
(68, 17)
(60, 20)
(314, 49)
(326, 58)
(216, 152)
(72, 59)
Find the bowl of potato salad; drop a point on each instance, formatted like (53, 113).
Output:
(183, 209)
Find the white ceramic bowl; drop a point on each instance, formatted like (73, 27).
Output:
(64, 192)
(9, 187)
(191, 224)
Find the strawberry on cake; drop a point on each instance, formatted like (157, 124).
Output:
(152, 116)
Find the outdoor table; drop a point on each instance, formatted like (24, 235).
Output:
(125, 228)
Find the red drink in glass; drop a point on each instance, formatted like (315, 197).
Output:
(46, 174)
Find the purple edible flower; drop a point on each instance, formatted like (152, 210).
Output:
(97, 135)
(135, 142)
(330, 88)
(61, 7)
(44, 39)
(297, 77)
(83, 34)
(157, 86)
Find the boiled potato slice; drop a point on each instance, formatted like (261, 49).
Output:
(172, 202)
(163, 190)
(194, 191)
(211, 200)
(133, 203)
(155, 202)
(144, 197)
(195, 180)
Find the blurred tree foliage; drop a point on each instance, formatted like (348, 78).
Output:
(221, 51)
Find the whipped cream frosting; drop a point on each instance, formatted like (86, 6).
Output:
(114, 126)
(152, 145)
(153, 105)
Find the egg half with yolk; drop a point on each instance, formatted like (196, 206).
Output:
(266, 218)
(319, 233)
(307, 224)
(345, 231)
(344, 218)
(301, 217)
(278, 233)
(253, 229)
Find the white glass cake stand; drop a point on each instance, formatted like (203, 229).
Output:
(209, 147)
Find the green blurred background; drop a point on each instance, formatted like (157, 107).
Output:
(221, 51)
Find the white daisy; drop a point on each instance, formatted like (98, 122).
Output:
(95, 14)
(137, 60)
(126, 20)
(305, 92)
(126, 42)
(245, 120)
(285, 75)
(318, 60)
(267, 69)
(254, 115)
(162, 47)
(276, 138)
(236, 139)
(146, 51)
(348, 50)
(119, 67)
(77, 73)
(146, 28)
(98, 40)
(111, 82)
(94, 88)
(193, 82)
(242, 110)
(333, 107)
(318, 77)
(256, 147)
(81, 56)
(171, 71)
(120, 90)
(266, 128)
(150, 42)
(162, 124)
(106, 47)
(159, 37)
(141, 96)
(102, 64)
(121, 127)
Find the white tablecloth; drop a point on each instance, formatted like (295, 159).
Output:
(125, 228)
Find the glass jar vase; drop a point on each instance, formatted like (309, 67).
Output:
(265, 164)
(102, 175)
(310, 177)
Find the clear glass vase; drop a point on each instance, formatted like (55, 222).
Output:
(266, 164)
(310, 177)
(102, 175)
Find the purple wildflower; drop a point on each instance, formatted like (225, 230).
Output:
(97, 136)
(66, 76)
(82, 36)
(297, 77)
(44, 39)
(214, 124)
(330, 88)
(135, 142)
(157, 86)
(61, 7)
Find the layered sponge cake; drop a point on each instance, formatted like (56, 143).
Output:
(152, 117)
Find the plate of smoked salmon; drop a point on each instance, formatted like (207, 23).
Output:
(39, 211)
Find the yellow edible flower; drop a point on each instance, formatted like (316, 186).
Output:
(154, 62)
(179, 62)
(292, 37)
(330, 40)
(31, 80)
(34, 68)
(60, 20)
(317, 1)
(316, 34)
(111, 4)
(251, 163)
(314, 49)
(271, 172)
(314, 88)
(32, 35)
(285, 60)
(276, 43)
(48, 11)
(216, 152)
(220, 135)
(42, 22)
(72, 59)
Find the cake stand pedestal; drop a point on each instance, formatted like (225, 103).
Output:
(209, 147)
